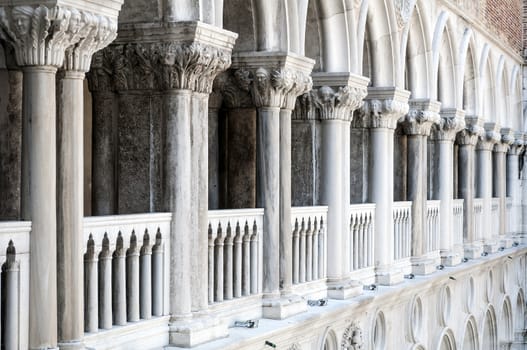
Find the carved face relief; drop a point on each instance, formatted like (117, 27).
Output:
(326, 94)
(22, 19)
(262, 77)
(75, 22)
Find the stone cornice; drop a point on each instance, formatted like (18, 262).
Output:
(274, 79)
(422, 114)
(452, 121)
(383, 107)
(470, 134)
(40, 35)
(489, 137)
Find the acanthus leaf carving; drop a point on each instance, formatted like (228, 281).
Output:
(338, 104)
(352, 338)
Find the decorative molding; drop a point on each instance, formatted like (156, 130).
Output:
(403, 11)
(421, 116)
(352, 338)
(452, 121)
(41, 35)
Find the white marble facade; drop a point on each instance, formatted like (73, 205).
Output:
(231, 174)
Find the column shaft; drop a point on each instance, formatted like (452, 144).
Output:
(514, 191)
(286, 243)
(70, 209)
(444, 192)
(39, 201)
(484, 191)
(500, 186)
(417, 192)
(466, 190)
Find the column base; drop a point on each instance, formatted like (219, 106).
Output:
(71, 345)
(197, 331)
(388, 276)
(341, 290)
(490, 246)
(450, 258)
(473, 250)
(424, 266)
(283, 307)
(506, 242)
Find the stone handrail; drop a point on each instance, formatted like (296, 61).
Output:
(309, 243)
(126, 269)
(457, 224)
(362, 232)
(433, 222)
(14, 260)
(402, 229)
(234, 253)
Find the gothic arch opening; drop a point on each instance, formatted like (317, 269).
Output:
(489, 338)
(506, 325)
(520, 316)
(470, 336)
(329, 341)
(447, 341)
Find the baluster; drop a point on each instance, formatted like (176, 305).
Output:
(314, 243)
(11, 271)
(309, 251)
(227, 264)
(302, 262)
(119, 283)
(371, 245)
(296, 257)
(395, 235)
(132, 280)
(322, 250)
(158, 276)
(254, 260)
(353, 242)
(362, 240)
(91, 319)
(364, 253)
(211, 264)
(218, 265)
(238, 262)
(145, 271)
(105, 285)
(246, 266)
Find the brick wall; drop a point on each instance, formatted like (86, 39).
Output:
(507, 18)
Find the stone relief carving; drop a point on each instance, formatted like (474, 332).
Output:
(403, 11)
(383, 113)
(234, 89)
(352, 338)
(448, 127)
(338, 104)
(41, 35)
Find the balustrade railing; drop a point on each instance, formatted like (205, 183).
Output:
(433, 225)
(309, 243)
(478, 217)
(235, 253)
(495, 216)
(402, 229)
(457, 221)
(509, 215)
(362, 232)
(126, 269)
(14, 285)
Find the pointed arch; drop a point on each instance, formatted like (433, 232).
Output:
(506, 326)
(447, 341)
(520, 315)
(515, 100)
(487, 87)
(468, 88)
(444, 62)
(489, 330)
(502, 93)
(470, 339)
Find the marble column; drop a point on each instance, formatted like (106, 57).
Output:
(215, 101)
(500, 183)
(274, 82)
(416, 125)
(514, 183)
(444, 134)
(484, 148)
(382, 109)
(466, 140)
(335, 97)
(40, 36)
(70, 182)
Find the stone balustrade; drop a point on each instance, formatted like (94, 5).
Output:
(362, 232)
(457, 214)
(495, 216)
(234, 254)
(125, 269)
(309, 243)
(14, 284)
(433, 228)
(402, 229)
(509, 215)
(478, 218)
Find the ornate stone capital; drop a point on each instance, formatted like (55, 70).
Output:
(383, 107)
(507, 139)
(469, 135)
(41, 35)
(352, 337)
(233, 88)
(422, 114)
(489, 137)
(519, 143)
(452, 121)
(304, 108)
(274, 79)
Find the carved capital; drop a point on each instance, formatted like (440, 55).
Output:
(518, 145)
(233, 89)
(352, 338)
(304, 108)
(507, 139)
(338, 104)
(383, 107)
(452, 121)
(422, 114)
(273, 79)
(470, 134)
(489, 137)
(41, 35)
